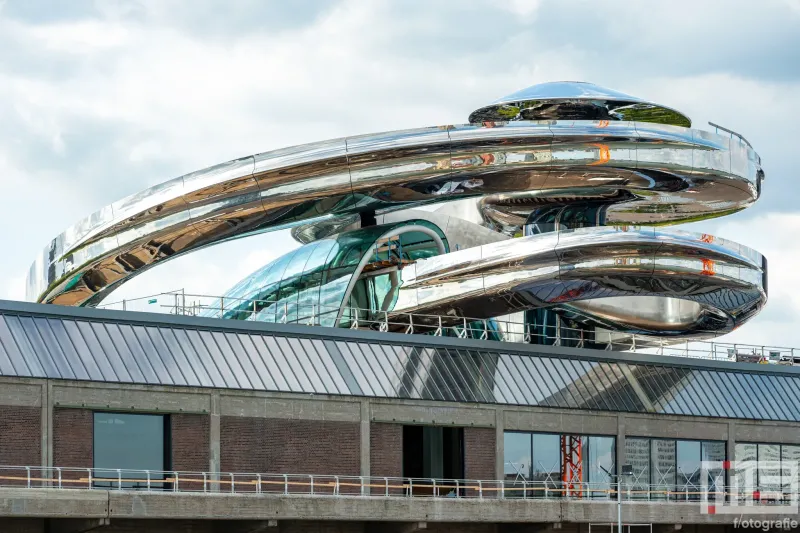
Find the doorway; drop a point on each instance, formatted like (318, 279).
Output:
(433, 452)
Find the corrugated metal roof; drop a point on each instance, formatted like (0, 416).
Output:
(87, 344)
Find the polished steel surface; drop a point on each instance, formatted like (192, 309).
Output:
(576, 100)
(533, 172)
(639, 280)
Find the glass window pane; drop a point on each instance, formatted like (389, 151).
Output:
(40, 348)
(135, 348)
(637, 454)
(790, 461)
(601, 461)
(746, 477)
(546, 463)
(517, 456)
(264, 375)
(713, 454)
(353, 361)
(238, 352)
(60, 358)
(275, 347)
(64, 341)
(350, 385)
(769, 468)
(128, 441)
(688, 469)
(662, 467)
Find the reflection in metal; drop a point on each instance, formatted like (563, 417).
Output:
(558, 163)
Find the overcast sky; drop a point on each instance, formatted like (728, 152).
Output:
(100, 99)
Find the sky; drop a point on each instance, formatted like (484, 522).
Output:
(101, 99)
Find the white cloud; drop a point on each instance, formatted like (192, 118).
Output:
(98, 106)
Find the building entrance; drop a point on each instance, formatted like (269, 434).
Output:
(433, 452)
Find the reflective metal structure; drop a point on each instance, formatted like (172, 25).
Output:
(118, 347)
(550, 172)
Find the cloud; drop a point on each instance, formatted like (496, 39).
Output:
(99, 100)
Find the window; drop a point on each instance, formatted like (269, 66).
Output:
(542, 461)
(754, 473)
(130, 442)
(672, 466)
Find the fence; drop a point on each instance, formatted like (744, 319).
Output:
(500, 329)
(29, 477)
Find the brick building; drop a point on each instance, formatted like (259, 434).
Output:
(112, 395)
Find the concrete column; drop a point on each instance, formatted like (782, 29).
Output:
(214, 435)
(46, 425)
(730, 449)
(499, 443)
(365, 440)
(620, 446)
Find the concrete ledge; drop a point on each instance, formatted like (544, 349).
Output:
(53, 503)
(241, 507)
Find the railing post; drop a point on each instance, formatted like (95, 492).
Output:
(502, 489)
(205, 482)
(336, 485)
(434, 487)
(119, 479)
(386, 483)
(361, 480)
(480, 489)
(285, 484)
(147, 473)
(222, 307)
(458, 491)
(89, 470)
(175, 487)
(233, 483)
(410, 486)
(28, 471)
(58, 468)
(258, 486)
(312, 484)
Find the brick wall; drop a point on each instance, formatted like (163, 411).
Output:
(20, 435)
(282, 446)
(479, 453)
(73, 430)
(190, 435)
(386, 449)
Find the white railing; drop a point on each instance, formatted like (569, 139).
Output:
(501, 329)
(30, 477)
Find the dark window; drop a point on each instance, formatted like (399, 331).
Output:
(132, 443)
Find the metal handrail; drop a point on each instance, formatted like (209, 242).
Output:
(506, 330)
(317, 485)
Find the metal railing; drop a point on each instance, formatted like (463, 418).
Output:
(57, 478)
(501, 329)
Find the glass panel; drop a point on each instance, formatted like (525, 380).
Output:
(131, 364)
(516, 460)
(193, 369)
(133, 345)
(786, 393)
(350, 384)
(260, 368)
(717, 396)
(620, 386)
(678, 403)
(520, 378)
(153, 355)
(355, 367)
(97, 350)
(560, 398)
(176, 364)
(59, 357)
(292, 364)
(546, 464)
(757, 403)
(790, 461)
(662, 467)
(276, 365)
(243, 357)
(128, 441)
(462, 365)
(194, 343)
(405, 372)
(637, 454)
(28, 362)
(698, 395)
(210, 346)
(453, 376)
(490, 378)
(714, 452)
(746, 478)
(8, 351)
(662, 385)
(605, 388)
(537, 384)
(688, 467)
(735, 393)
(769, 391)
(82, 350)
(567, 389)
(332, 369)
(769, 456)
(113, 355)
(601, 461)
(591, 381)
(39, 348)
(228, 358)
(57, 326)
(321, 369)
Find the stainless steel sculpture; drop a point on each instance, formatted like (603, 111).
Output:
(563, 164)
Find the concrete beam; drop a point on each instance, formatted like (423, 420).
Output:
(129, 398)
(53, 503)
(77, 525)
(246, 526)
